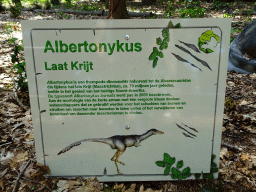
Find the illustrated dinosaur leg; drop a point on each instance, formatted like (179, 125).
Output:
(118, 155)
(114, 158)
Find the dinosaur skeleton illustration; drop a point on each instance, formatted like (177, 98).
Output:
(119, 142)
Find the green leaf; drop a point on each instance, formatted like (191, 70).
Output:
(170, 25)
(152, 56)
(13, 58)
(186, 170)
(176, 171)
(214, 170)
(165, 32)
(167, 157)
(197, 175)
(160, 163)
(166, 171)
(170, 161)
(19, 47)
(180, 177)
(155, 62)
(164, 45)
(160, 54)
(20, 69)
(188, 175)
(12, 40)
(174, 175)
(155, 50)
(180, 164)
(213, 157)
(184, 176)
(23, 64)
(208, 176)
(167, 39)
(213, 164)
(177, 25)
(14, 66)
(159, 41)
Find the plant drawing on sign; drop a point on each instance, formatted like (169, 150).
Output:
(119, 142)
(207, 41)
(176, 173)
(190, 135)
(163, 43)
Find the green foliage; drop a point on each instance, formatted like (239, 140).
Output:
(109, 189)
(55, 3)
(8, 28)
(170, 9)
(192, 13)
(210, 176)
(1, 6)
(152, 17)
(36, 5)
(248, 12)
(15, 10)
(228, 16)
(220, 5)
(67, 16)
(176, 173)
(192, 4)
(48, 5)
(180, 164)
(213, 170)
(229, 104)
(234, 30)
(18, 65)
(92, 7)
(144, 10)
(68, 4)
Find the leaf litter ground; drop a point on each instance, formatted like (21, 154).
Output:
(17, 152)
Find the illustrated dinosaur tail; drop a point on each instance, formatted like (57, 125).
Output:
(100, 140)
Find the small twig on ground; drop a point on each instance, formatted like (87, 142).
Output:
(20, 175)
(39, 184)
(5, 144)
(33, 181)
(231, 146)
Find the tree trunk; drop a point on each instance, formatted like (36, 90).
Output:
(55, 2)
(117, 10)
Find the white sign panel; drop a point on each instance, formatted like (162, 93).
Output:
(127, 100)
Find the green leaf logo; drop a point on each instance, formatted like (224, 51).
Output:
(165, 32)
(180, 164)
(167, 170)
(159, 41)
(155, 62)
(160, 163)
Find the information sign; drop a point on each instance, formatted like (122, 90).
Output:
(127, 100)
